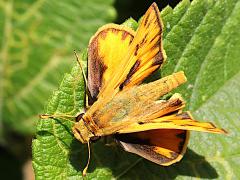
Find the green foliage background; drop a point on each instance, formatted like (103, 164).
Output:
(37, 42)
(37, 39)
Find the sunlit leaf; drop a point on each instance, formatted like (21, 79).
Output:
(203, 39)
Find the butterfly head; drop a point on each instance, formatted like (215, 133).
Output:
(81, 130)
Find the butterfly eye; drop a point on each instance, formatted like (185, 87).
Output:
(79, 117)
(95, 138)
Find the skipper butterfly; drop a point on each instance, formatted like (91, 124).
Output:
(118, 104)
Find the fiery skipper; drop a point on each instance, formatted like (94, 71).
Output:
(119, 59)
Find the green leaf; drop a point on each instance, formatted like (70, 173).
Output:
(203, 39)
(131, 23)
(37, 42)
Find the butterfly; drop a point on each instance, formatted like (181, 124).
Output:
(119, 103)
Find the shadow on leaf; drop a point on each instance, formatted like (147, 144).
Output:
(124, 165)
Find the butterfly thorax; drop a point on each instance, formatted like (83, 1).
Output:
(85, 129)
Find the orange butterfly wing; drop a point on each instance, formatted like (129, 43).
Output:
(106, 50)
(162, 146)
(118, 57)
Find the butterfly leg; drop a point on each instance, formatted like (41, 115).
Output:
(62, 116)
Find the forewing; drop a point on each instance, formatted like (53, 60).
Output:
(182, 121)
(106, 51)
(144, 55)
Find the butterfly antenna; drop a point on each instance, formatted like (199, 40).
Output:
(89, 156)
(81, 67)
(88, 97)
